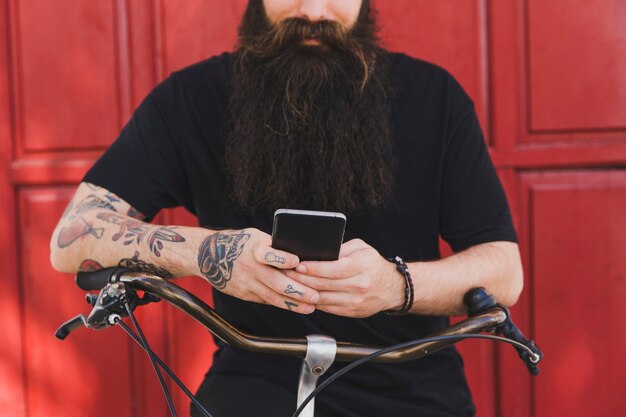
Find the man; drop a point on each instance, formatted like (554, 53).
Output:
(309, 112)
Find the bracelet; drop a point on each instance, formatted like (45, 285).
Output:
(408, 288)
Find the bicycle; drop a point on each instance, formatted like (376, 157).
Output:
(118, 298)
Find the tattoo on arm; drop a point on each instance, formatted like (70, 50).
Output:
(217, 255)
(133, 230)
(75, 230)
(133, 264)
(89, 203)
(89, 265)
(135, 214)
(272, 257)
(112, 197)
(67, 210)
(136, 264)
(291, 290)
(290, 305)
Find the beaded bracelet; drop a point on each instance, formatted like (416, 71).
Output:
(408, 288)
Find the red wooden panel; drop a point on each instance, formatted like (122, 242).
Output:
(578, 291)
(479, 368)
(11, 363)
(66, 378)
(577, 64)
(582, 241)
(195, 30)
(447, 32)
(142, 48)
(65, 71)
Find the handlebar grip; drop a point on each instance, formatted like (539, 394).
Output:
(96, 280)
(478, 300)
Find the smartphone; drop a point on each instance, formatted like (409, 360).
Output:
(312, 235)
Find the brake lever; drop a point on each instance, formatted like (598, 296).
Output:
(109, 302)
(69, 326)
(509, 330)
(478, 300)
(107, 305)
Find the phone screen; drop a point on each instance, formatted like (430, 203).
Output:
(311, 235)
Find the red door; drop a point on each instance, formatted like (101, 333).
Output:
(549, 81)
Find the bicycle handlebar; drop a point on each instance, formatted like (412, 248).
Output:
(296, 347)
(485, 315)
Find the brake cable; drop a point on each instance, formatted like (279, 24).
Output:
(146, 347)
(141, 340)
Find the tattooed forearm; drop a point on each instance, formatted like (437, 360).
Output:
(272, 257)
(75, 230)
(217, 255)
(290, 305)
(135, 214)
(136, 231)
(89, 265)
(112, 197)
(91, 202)
(291, 290)
(136, 264)
(68, 209)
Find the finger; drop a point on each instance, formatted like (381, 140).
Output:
(317, 283)
(333, 298)
(343, 311)
(352, 246)
(341, 268)
(269, 296)
(282, 284)
(276, 258)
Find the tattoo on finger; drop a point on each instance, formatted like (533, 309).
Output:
(290, 305)
(291, 290)
(272, 257)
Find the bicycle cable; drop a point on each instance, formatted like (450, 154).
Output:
(167, 370)
(381, 352)
(144, 343)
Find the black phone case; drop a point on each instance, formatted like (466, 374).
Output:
(311, 237)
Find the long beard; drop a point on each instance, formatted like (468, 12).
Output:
(308, 125)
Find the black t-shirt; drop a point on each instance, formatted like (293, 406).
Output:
(171, 154)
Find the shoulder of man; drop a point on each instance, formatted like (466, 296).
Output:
(203, 83)
(209, 75)
(424, 78)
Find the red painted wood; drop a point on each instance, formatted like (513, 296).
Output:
(142, 48)
(12, 398)
(561, 155)
(578, 289)
(449, 33)
(577, 57)
(65, 74)
(63, 378)
(214, 25)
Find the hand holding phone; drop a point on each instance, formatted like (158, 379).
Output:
(311, 235)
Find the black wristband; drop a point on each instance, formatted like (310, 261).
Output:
(408, 288)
